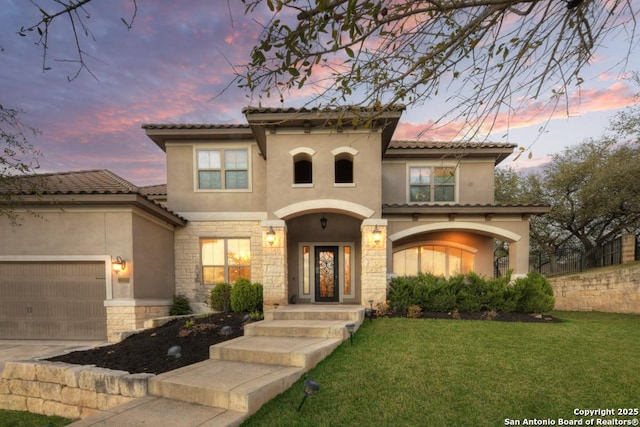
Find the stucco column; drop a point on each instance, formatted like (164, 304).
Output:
(274, 264)
(628, 248)
(373, 276)
(519, 257)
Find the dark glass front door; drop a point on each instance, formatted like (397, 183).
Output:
(326, 264)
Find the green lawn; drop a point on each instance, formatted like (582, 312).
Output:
(410, 372)
(26, 419)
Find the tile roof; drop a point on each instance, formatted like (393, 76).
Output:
(346, 108)
(405, 144)
(194, 126)
(467, 205)
(154, 190)
(78, 182)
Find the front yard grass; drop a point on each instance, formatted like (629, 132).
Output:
(26, 419)
(409, 372)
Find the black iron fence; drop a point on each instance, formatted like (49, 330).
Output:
(568, 261)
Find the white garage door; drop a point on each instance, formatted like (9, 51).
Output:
(53, 300)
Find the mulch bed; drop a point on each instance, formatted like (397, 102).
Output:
(146, 351)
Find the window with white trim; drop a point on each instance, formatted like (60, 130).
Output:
(223, 169)
(432, 184)
(439, 260)
(225, 260)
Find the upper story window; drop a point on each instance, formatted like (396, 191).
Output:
(302, 169)
(223, 169)
(432, 184)
(343, 164)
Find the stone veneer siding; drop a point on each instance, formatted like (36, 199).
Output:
(123, 320)
(274, 268)
(616, 291)
(188, 258)
(71, 391)
(373, 276)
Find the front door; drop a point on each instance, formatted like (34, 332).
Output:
(326, 264)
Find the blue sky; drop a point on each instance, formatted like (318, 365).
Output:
(177, 57)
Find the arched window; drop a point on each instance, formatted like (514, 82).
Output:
(344, 170)
(302, 169)
(437, 259)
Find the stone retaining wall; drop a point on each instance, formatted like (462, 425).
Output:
(615, 291)
(71, 391)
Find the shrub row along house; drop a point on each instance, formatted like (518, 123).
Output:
(320, 206)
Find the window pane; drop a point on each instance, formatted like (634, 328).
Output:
(444, 176)
(209, 159)
(303, 172)
(213, 252)
(343, 171)
(467, 262)
(306, 289)
(444, 193)
(455, 261)
(212, 275)
(406, 262)
(419, 175)
(209, 179)
(235, 159)
(238, 252)
(439, 261)
(347, 270)
(239, 272)
(420, 193)
(236, 179)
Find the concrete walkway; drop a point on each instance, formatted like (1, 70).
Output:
(40, 349)
(242, 374)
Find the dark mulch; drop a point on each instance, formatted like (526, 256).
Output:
(146, 351)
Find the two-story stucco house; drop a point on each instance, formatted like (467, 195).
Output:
(320, 206)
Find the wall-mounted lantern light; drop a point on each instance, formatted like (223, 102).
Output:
(377, 234)
(118, 265)
(323, 222)
(271, 236)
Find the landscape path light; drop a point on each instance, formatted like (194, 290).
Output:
(310, 387)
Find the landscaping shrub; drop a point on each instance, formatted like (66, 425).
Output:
(471, 293)
(414, 311)
(180, 306)
(245, 296)
(535, 294)
(221, 297)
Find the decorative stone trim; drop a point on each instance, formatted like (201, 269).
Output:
(123, 319)
(71, 391)
(374, 263)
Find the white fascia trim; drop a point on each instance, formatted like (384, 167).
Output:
(138, 302)
(324, 204)
(224, 216)
(507, 235)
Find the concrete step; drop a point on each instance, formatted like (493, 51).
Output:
(299, 352)
(229, 385)
(158, 411)
(298, 328)
(348, 313)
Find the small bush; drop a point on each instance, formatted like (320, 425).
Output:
(180, 306)
(414, 311)
(534, 294)
(221, 297)
(401, 292)
(246, 297)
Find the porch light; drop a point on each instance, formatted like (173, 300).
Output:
(271, 236)
(323, 222)
(377, 234)
(310, 387)
(118, 265)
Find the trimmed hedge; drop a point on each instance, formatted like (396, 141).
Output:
(221, 297)
(246, 296)
(472, 293)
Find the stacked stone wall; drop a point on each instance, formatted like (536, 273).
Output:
(610, 290)
(374, 265)
(188, 258)
(71, 391)
(122, 320)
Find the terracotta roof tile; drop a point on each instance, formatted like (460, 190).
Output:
(346, 108)
(80, 182)
(195, 126)
(154, 190)
(405, 144)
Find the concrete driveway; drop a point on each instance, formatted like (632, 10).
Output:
(39, 349)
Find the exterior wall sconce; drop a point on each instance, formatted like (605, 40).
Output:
(118, 265)
(323, 222)
(271, 236)
(377, 234)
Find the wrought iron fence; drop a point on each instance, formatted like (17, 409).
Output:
(567, 261)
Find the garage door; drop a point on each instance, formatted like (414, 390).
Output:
(52, 300)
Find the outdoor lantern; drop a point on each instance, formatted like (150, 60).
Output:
(323, 222)
(351, 327)
(118, 265)
(377, 234)
(271, 236)
(310, 387)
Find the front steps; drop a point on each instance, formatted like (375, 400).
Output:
(244, 373)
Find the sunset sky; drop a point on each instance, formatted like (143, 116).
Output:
(175, 61)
